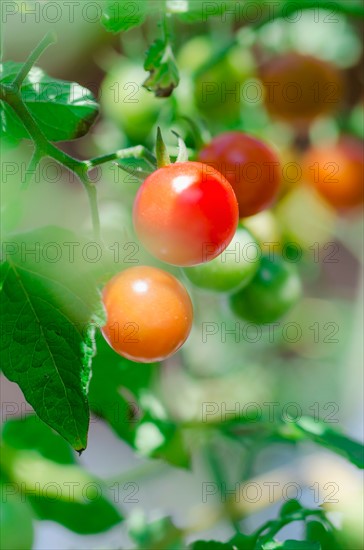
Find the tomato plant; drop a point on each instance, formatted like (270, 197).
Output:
(232, 269)
(337, 172)
(181, 403)
(252, 168)
(185, 213)
(149, 314)
(275, 288)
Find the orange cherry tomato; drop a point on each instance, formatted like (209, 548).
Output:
(149, 314)
(337, 172)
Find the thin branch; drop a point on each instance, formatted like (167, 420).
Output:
(137, 152)
(50, 38)
(32, 166)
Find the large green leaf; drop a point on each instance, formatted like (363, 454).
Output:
(63, 110)
(47, 345)
(42, 464)
(122, 15)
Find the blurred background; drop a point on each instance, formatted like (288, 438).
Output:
(226, 65)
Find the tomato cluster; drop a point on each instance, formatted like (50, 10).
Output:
(186, 214)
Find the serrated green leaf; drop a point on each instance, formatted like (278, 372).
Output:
(161, 64)
(320, 433)
(47, 310)
(44, 467)
(63, 110)
(123, 15)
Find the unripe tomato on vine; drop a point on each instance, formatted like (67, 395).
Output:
(299, 88)
(126, 103)
(275, 288)
(337, 172)
(185, 213)
(251, 166)
(218, 90)
(149, 314)
(232, 269)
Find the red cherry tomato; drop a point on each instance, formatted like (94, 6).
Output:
(149, 314)
(337, 172)
(185, 213)
(251, 166)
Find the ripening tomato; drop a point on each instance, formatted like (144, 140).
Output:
(149, 314)
(298, 88)
(275, 288)
(337, 172)
(233, 269)
(185, 213)
(251, 166)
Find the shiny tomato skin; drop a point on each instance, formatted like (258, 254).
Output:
(337, 172)
(149, 314)
(251, 167)
(185, 213)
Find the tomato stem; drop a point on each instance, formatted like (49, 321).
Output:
(182, 150)
(161, 151)
(137, 152)
(47, 40)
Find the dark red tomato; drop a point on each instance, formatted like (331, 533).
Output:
(300, 88)
(251, 166)
(185, 213)
(149, 314)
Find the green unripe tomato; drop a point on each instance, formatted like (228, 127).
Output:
(232, 269)
(275, 288)
(219, 91)
(127, 103)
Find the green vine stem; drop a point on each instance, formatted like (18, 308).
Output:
(137, 152)
(11, 94)
(49, 38)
